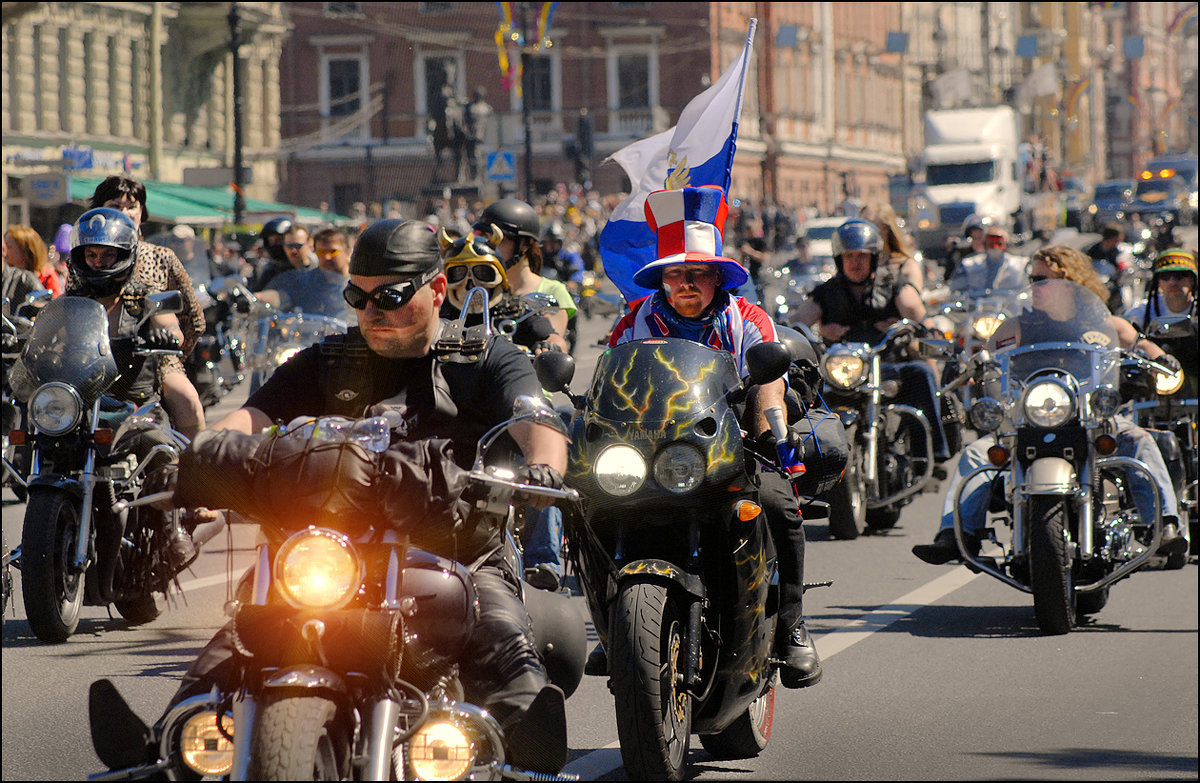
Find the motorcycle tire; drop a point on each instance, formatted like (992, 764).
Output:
(749, 734)
(297, 738)
(883, 518)
(1050, 577)
(140, 610)
(53, 596)
(653, 709)
(848, 504)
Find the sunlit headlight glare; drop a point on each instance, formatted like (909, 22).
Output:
(986, 325)
(679, 468)
(318, 569)
(203, 747)
(843, 370)
(440, 751)
(1104, 402)
(55, 408)
(285, 353)
(620, 470)
(1167, 385)
(1048, 404)
(986, 414)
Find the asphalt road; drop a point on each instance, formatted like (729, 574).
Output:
(931, 673)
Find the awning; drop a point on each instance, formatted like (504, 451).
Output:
(170, 202)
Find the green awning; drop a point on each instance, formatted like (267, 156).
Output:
(170, 202)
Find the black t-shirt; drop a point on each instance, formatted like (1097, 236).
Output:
(459, 401)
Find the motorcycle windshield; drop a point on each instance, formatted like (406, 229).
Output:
(1060, 325)
(284, 335)
(68, 344)
(659, 380)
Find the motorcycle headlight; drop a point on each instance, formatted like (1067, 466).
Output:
(55, 408)
(843, 370)
(986, 414)
(202, 746)
(1104, 402)
(286, 352)
(1048, 404)
(441, 750)
(986, 325)
(318, 569)
(679, 468)
(1166, 385)
(620, 470)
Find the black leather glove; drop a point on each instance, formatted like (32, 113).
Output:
(540, 476)
(545, 345)
(161, 340)
(533, 330)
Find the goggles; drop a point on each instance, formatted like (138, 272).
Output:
(386, 297)
(487, 275)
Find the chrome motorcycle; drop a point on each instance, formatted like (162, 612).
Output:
(89, 455)
(1050, 401)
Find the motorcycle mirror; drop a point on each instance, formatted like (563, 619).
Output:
(544, 303)
(767, 362)
(165, 301)
(555, 370)
(1171, 327)
(935, 348)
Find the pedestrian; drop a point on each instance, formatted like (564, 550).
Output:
(25, 249)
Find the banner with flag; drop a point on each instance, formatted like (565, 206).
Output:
(699, 150)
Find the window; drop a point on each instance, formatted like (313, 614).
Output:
(633, 81)
(345, 197)
(343, 9)
(541, 89)
(344, 87)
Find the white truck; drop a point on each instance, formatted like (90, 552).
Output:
(974, 164)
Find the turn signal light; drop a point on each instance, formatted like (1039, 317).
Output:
(747, 510)
(998, 455)
(103, 435)
(1106, 444)
(16, 437)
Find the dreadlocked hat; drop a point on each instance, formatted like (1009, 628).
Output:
(1175, 259)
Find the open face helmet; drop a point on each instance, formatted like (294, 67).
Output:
(857, 234)
(104, 227)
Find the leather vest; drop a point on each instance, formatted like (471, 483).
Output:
(841, 305)
(138, 382)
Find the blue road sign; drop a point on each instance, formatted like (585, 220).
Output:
(501, 166)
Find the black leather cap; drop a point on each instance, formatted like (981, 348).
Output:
(395, 247)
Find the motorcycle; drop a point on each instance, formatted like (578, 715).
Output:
(1054, 482)
(657, 454)
(970, 319)
(886, 469)
(276, 337)
(227, 305)
(89, 453)
(1167, 409)
(348, 631)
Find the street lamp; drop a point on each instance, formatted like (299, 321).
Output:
(235, 42)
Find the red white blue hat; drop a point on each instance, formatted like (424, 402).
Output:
(689, 223)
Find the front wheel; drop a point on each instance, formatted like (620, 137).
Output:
(297, 739)
(848, 504)
(749, 734)
(653, 706)
(52, 590)
(1050, 564)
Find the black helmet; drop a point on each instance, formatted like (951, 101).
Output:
(396, 247)
(108, 228)
(553, 233)
(276, 227)
(514, 217)
(857, 234)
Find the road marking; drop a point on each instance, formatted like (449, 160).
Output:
(207, 581)
(601, 761)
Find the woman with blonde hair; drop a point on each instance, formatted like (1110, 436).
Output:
(26, 250)
(901, 258)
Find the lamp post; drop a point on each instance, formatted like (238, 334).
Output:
(526, 116)
(235, 43)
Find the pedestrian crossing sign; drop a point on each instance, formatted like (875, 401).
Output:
(501, 166)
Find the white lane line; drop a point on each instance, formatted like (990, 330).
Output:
(603, 760)
(207, 581)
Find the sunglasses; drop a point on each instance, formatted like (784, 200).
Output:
(484, 274)
(294, 245)
(1035, 279)
(1174, 275)
(385, 297)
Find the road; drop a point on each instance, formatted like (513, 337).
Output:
(930, 672)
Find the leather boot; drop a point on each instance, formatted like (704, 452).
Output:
(1171, 543)
(597, 662)
(801, 664)
(944, 548)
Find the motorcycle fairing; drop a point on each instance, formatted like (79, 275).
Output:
(69, 343)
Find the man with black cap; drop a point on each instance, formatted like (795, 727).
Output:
(396, 287)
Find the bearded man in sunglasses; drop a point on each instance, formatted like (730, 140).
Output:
(386, 364)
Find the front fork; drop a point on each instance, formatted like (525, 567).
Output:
(874, 399)
(88, 479)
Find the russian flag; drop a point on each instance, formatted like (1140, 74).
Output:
(697, 151)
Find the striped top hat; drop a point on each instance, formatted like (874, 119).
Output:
(689, 223)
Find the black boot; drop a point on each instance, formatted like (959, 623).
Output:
(801, 664)
(944, 548)
(1171, 543)
(597, 662)
(180, 548)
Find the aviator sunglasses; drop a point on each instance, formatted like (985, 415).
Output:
(385, 297)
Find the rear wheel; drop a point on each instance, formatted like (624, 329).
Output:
(52, 590)
(296, 739)
(1050, 565)
(747, 736)
(848, 504)
(653, 707)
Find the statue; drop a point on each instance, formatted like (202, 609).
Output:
(445, 128)
(476, 117)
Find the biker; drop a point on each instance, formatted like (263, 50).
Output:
(970, 242)
(1106, 259)
(693, 302)
(103, 247)
(273, 235)
(316, 289)
(1172, 292)
(1059, 262)
(861, 302)
(993, 269)
(385, 363)
(559, 262)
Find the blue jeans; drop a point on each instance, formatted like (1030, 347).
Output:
(544, 543)
(1132, 441)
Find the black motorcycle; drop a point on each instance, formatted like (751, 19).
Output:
(90, 455)
(349, 633)
(672, 549)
